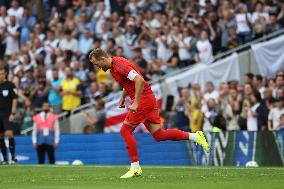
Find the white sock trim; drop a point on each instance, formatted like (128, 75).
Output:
(193, 137)
(135, 164)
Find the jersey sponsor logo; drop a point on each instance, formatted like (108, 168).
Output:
(5, 92)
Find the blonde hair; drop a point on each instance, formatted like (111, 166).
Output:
(98, 53)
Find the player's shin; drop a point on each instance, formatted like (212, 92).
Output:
(126, 132)
(3, 149)
(12, 147)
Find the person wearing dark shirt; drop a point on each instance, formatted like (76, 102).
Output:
(8, 104)
(98, 121)
(140, 62)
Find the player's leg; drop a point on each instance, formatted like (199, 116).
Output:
(41, 153)
(2, 141)
(10, 135)
(159, 134)
(3, 148)
(126, 132)
(131, 121)
(50, 153)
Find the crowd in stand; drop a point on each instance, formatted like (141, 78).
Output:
(255, 105)
(45, 43)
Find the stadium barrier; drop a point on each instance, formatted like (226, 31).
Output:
(227, 149)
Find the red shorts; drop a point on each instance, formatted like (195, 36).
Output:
(147, 111)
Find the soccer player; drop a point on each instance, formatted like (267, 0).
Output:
(143, 109)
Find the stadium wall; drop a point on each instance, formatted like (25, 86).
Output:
(227, 149)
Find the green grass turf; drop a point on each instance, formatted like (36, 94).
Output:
(83, 177)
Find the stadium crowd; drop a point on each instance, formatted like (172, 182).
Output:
(255, 105)
(45, 45)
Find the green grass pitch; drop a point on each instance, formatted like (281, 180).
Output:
(106, 177)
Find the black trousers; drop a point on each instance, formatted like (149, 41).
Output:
(42, 149)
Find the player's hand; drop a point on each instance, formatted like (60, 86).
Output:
(55, 146)
(35, 146)
(133, 108)
(11, 118)
(121, 103)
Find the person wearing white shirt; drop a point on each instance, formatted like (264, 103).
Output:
(15, 9)
(243, 25)
(274, 115)
(251, 118)
(4, 19)
(85, 42)
(185, 45)
(100, 17)
(211, 93)
(204, 47)
(259, 12)
(12, 37)
(68, 42)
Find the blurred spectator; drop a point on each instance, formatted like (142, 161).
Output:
(54, 97)
(115, 92)
(243, 24)
(204, 48)
(68, 42)
(210, 113)
(180, 107)
(279, 84)
(71, 92)
(281, 123)
(140, 62)
(12, 36)
(27, 22)
(257, 115)
(195, 117)
(275, 115)
(97, 121)
(85, 42)
(15, 9)
(92, 93)
(26, 114)
(39, 92)
(210, 93)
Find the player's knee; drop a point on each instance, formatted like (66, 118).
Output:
(126, 130)
(157, 138)
(158, 135)
(122, 130)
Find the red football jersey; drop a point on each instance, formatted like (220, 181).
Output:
(120, 69)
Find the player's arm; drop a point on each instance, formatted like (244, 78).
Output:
(139, 87)
(14, 103)
(122, 99)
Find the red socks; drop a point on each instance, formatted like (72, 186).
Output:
(126, 132)
(170, 134)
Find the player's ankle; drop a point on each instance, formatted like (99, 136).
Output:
(193, 137)
(135, 165)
